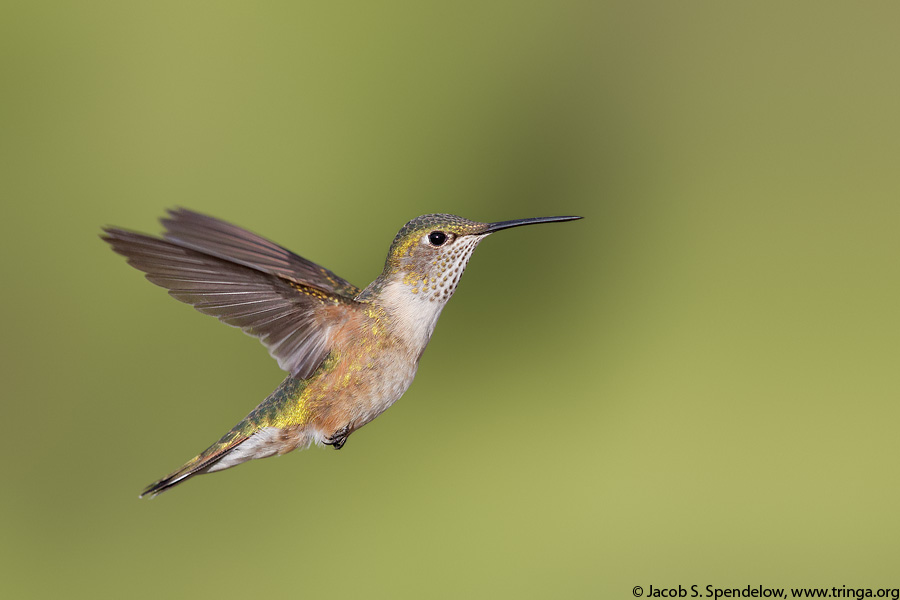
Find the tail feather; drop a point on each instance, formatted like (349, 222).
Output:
(196, 466)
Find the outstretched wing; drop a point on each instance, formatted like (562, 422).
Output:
(247, 282)
(214, 237)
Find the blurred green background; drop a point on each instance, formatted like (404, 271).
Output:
(697, 384)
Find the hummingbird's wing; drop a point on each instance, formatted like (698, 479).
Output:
(217, 238)
(293, 319)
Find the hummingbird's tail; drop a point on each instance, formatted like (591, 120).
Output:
(202, 463)
(237, 446)
(158, 487)
(196, 466)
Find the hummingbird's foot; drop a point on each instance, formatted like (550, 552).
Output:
(339, 437)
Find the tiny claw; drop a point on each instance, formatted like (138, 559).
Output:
(339, 437)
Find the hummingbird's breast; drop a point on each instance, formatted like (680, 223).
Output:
(371, 367)
(375, 351)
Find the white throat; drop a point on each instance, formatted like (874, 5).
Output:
(415, 301)
(413, 314)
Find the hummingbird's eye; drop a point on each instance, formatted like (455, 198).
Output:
(437, 238)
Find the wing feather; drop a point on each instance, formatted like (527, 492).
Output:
(285, 314)
(218, 238)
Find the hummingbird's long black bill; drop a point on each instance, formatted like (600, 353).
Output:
(492, 227)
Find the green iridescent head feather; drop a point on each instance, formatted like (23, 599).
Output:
(410, 234)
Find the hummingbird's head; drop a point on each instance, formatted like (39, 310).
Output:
(423, 267)
(430, 253)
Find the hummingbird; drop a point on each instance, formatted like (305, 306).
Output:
(350, 353)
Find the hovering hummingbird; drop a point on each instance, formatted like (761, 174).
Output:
(351, 353)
